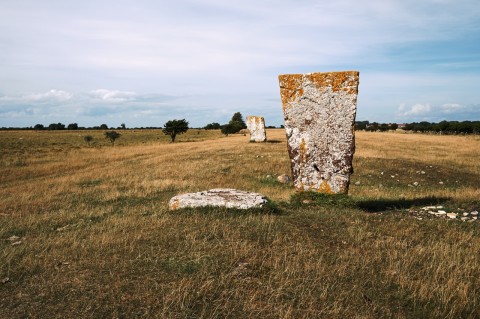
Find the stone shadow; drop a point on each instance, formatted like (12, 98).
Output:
(374, 206)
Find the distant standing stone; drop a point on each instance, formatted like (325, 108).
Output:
(221, 197)
(256, 126)
(319, 111)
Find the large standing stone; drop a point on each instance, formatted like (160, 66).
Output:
(319, 111)
(256, 126)
(225, 197)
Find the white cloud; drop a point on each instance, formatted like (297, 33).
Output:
(449, 111)
(452, 108)
(52, 95)
(416, 110)
(113, 95)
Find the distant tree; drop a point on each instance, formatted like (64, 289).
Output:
(123, 126)
(56, 126)
(175, 127)
(212, 126)
(104, 127)
(394, 126)
(228, 129)
(237, 122)
(112, 136)
(88, 139)
(384, 127)
(39, 127)
(373, 127)
(72, 126)
(361, 125)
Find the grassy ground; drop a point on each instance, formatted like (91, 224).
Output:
(85, 231)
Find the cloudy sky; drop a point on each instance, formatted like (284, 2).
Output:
(144, 62)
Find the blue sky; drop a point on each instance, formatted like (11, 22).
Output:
(145, 62)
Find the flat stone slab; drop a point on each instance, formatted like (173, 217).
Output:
(220, 197)
(319, 111)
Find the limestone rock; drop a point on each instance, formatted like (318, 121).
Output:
(256, 126)
(452, 215)
(222, 197)
(283, 178)
(319, 111)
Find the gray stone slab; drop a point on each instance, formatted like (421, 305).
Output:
(319, 111)
(221, 197)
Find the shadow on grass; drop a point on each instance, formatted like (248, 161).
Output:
(379, 205)
(270, 208)
(306, 199)
(274, 141)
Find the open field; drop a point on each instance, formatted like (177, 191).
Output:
(85, 231)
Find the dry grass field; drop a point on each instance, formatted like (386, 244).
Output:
(85, 231)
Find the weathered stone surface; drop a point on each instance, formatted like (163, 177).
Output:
(256, 126)
(224, 197)
(319, 111)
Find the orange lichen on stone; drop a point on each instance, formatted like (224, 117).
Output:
(290, 88)
(346, 81)
(175, 205)
(325, 188)
(303, 151)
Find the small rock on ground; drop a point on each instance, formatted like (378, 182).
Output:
(283, 178)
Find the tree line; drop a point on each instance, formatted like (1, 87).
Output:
(235, 125)
(443, 127)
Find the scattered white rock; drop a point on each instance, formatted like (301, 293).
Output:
(13, 238)
(441, 183)
(357, 183)
(16, 243)
(474, 213)
(5, 280)
(436, 211)
(422, 172)
(63, 228)
(415, 184)
(220, 197)
(452, 215)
